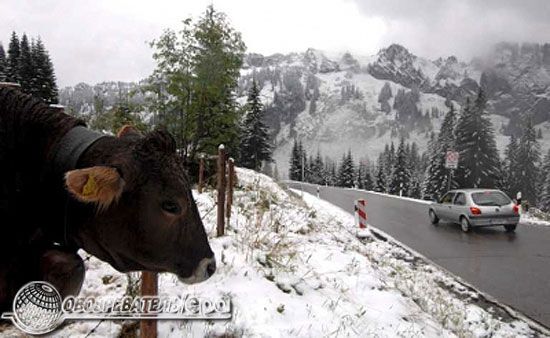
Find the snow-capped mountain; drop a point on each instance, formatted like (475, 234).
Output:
(334, 104)
(337, 102)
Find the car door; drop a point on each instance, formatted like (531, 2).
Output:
(458, 208)
(444, 206)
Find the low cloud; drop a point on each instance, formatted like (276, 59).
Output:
(464, 28)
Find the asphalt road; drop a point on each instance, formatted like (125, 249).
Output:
(513, 268)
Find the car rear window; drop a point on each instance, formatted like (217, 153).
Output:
(490, 198)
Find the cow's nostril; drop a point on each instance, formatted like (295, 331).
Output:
(211, 268)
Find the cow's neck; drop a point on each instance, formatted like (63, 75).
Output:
(64, 157)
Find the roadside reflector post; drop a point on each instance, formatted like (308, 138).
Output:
(221, 190)
(149, 287)
(361, 217)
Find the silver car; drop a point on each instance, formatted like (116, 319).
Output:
(476, 208)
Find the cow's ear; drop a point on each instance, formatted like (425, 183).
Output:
(100, 185)
(128, 130)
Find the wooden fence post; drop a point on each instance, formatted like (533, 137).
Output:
(201, 174)
(230, 184)
(221, 190)
(149, 287)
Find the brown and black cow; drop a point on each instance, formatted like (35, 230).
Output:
(124, 199)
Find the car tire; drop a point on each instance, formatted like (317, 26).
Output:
(465, 224)
(433, 217)
(510, 227)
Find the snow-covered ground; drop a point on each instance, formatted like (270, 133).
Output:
(294, 268)
(535, 217)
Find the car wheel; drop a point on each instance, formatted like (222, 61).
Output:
(510, 227)
(433, 217)
(465, 224)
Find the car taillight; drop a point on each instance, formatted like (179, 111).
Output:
(516, 209)
(475, 211)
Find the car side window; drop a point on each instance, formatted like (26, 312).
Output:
(448, 198)
(460, 199)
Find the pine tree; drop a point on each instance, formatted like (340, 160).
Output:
(544, 196)
(44, 76)
(380, 184)
(3, 64)
(432, 181)
(14, 52)
(346, 172)
(414, 163)
(389, 163)
(528, 158)
(511, 166)
(26, 67)
(479, 162)
(401, 176)
(255, 146)
(437, 176)
(317, 169)
(364, 178)
(295, 171)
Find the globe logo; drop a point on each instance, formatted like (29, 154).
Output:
(37, 308)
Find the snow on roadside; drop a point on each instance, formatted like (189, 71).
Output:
(294, 267)
(454, 304)
(535, 217)
(395, 196)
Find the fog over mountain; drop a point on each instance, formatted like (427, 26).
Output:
(335, 103)
(107, 40)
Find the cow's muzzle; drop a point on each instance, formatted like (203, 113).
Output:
(205, 269)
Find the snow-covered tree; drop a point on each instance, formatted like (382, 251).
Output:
(44, 76)
(14, 51)
(364, 178)
(26, 67)
(544, 196)
(437, 176)
(346, 172)
(381, 181)
(3, 64)
(255, 147)
(511, 166)
(401, 176)
(317, 170)
(528, 158)
(479, 164)
(295, 170)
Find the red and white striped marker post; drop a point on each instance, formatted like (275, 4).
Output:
(361, 213)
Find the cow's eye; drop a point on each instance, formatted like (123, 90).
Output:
(171, 207)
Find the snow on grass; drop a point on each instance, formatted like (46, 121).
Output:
(535, 217)
(294, 268)
(456, 306)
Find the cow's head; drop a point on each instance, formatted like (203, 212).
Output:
(146, 216)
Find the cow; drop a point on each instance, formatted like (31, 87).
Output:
(125, 199)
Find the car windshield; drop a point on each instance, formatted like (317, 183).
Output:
(490, 198)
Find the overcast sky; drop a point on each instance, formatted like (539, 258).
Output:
(94, 41)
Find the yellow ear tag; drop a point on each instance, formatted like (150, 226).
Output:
(90, 188)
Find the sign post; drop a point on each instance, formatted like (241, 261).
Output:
(451, 163)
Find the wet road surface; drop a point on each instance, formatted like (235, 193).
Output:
(512, 267)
